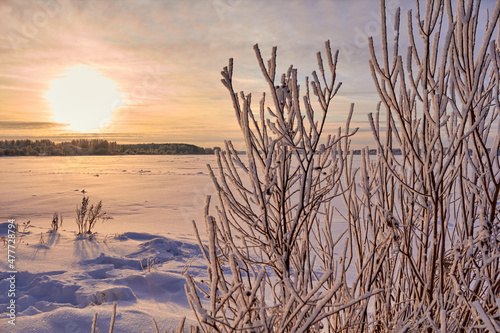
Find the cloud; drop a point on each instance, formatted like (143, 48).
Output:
(29, 125)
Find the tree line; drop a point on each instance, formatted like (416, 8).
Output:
(95, 147)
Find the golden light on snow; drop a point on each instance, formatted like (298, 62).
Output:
(83, 98)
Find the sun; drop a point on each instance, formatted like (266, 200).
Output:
(83, 99)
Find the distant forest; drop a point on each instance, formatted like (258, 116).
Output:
(96, 147)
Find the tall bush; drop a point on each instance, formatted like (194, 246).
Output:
(272, 247)
(440, 198)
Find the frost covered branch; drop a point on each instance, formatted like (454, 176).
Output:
(272, 249)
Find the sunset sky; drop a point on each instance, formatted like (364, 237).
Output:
(155, 65)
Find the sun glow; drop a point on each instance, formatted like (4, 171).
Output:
(83, 99)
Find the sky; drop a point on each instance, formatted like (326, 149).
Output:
(154, 66)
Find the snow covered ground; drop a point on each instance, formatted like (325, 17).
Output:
(62, 280)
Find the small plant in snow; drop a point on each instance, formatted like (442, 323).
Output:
(42, 240)
(26, 225)
(57, 221)
(149, 263)
(88, 215)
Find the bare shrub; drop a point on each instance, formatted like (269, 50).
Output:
(87, 216)
(272, 248)
(439, 199)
